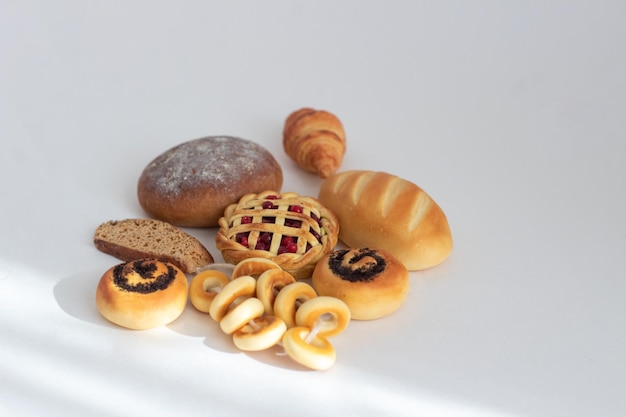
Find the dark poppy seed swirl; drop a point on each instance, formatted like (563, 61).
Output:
(146, 270)
(356, 265)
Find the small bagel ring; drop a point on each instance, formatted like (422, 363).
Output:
(244, 286)
(269, 284)
(259, 334)
(226, 268)
(253, 266)
(289, 297)
(237, 317)
(316, 354)
(202, 289)
(313, 313)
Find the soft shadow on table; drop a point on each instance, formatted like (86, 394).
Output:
(276, 357)
(193, 323)
(197, 324)
(76, 295)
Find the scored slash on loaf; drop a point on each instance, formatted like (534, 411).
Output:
(380, 210)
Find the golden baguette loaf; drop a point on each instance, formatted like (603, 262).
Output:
(380, 210)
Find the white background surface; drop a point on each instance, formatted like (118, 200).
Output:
(509, 114)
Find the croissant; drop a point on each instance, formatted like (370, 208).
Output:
(315, 140)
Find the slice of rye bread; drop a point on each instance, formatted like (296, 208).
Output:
(133, 239)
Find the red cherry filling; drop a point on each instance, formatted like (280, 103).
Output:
(242, 239)
(264, 241)
(317, 219)
(268, 205)
(317, 235)
(293, 223)
(288, 244)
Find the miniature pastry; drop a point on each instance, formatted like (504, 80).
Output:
(254, 267)
(269, 284)
(371, 282)
(315, 140)
(204, 287)
(291, 230)
(290, 298)
(142, 294)
(297, 318)
(242, 315)
(132, 239)
(328, 315)
(307, 343)
(380, 210)
(260, 333)
(237, 289)
(308, 349)
(192, 183)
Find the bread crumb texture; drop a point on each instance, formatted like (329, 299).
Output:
(136, 238)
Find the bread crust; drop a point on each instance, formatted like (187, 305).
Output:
(381, 210)
(371, 282)
(191, 184)
(142, 294)
(315, 140)
(310, 246)
(131, 239)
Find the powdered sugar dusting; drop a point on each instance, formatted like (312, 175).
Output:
(222, 161)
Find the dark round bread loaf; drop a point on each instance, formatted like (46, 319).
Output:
(191, 184)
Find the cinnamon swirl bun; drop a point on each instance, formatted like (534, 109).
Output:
(142, 294)
(370, 281)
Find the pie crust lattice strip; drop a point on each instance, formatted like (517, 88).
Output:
(292, 230)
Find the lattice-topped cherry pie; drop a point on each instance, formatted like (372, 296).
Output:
(292, 230)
